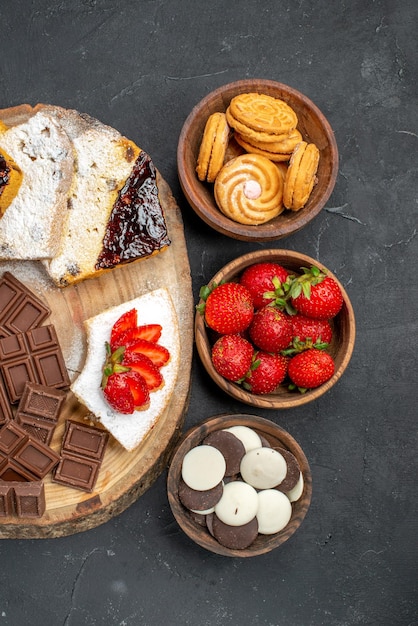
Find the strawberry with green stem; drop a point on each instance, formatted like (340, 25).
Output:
(228, 307)
(267, 282)
(232, 356)
(315, 294)
(266, 373)
(310, 369)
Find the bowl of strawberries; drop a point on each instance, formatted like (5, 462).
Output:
(274, 329)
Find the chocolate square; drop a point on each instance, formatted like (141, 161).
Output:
(29, 499)
(36, 457)
(20, 309)
(41, 401)
(5, 408)
(84, 440)
(6, 499)
(78, 472)
(32, 357)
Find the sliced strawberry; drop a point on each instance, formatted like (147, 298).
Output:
(118, 394)
(150, 332)
(139, 389)
(158, 354)
(127, 320)
(142, 364)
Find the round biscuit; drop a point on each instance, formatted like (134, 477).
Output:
(263, 113)
(252, 135)
(231, 189)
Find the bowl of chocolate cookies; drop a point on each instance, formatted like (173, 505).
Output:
(257, 160)
(239, 485)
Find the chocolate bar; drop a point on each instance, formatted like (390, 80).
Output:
(5, 409)
(23, 458)
(22, 499)
(34, 356)
(39, 409)
(82, 452)
(20, 309)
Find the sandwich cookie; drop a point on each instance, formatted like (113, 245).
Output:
(263, 114)
(300, 176)
(213, 147)
(275, 151)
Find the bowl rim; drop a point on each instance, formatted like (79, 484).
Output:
(192, 437)
(271, 401)
(270, 230)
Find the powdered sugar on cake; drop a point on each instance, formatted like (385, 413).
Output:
(155, 307)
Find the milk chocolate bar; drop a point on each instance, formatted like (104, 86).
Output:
(29, 499)
(22, 499)
(20, 309)
(82, 452)
(23, 458)
(34, 356)
(39, 409)
(5, 409)
(6, 499)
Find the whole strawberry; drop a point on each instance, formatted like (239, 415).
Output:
(266, 282)
(311, 331)
(228, 308)
(232, 356)
(315, 294)
(310, 369)
(271, 329)
(267, 371)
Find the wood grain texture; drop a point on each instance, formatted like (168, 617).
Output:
(124, 476)
(314, 128)
(341, 347)
(277, 437)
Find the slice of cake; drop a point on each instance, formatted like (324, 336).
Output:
(115, 216)
(155, 307)
(31, 223)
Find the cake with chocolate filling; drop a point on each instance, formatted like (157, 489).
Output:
(114, 214)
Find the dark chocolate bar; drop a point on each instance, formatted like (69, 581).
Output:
(34, 356)
(20, 309)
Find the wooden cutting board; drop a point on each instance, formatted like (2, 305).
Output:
(124, 476)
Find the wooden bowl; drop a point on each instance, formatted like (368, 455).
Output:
(314, 128)
(341, 347)
(277, 437)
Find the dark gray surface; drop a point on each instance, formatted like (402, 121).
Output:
(141, 66)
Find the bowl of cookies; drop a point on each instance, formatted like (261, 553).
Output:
(239, 485)
(274, 329)
(257, 160)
